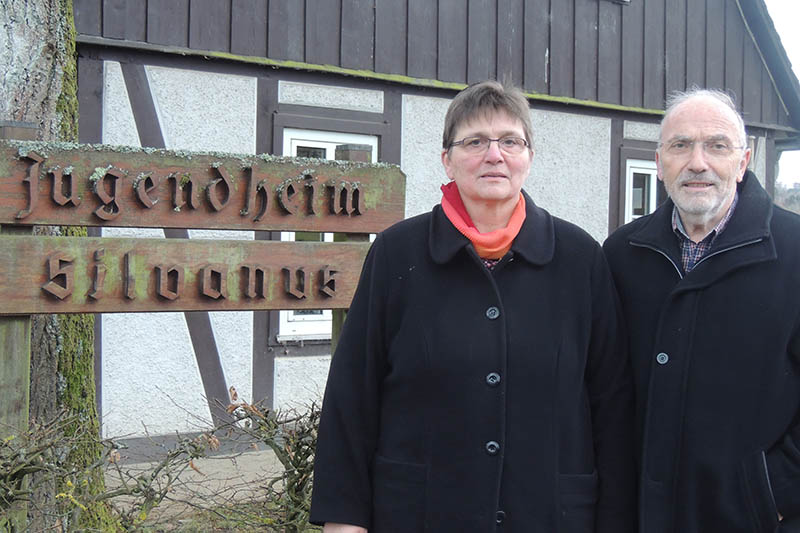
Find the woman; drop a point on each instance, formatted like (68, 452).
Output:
(479, 384)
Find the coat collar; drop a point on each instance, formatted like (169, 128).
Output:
(752, 217)
(750, 220)
(535, 241)
(746, 238)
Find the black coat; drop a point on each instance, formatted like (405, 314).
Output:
(716, 358)
(459, 397)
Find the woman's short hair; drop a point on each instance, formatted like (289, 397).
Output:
(483, 98)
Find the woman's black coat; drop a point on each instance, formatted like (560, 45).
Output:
(461, 399)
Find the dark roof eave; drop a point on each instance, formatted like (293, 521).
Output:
(788, 144)
(768, 40)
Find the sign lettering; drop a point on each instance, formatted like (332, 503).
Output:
(83, 185)
(100, 275)
(96, 186)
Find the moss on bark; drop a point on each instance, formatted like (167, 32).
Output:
(67, 103)
(76, 391)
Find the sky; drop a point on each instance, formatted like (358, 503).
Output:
(785, 15)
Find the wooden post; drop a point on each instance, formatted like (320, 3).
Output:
(363, 154)
(15, 364)
(15, 351)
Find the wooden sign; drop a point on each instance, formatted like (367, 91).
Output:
(102, 275)
(96, 185)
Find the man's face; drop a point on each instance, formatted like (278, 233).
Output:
(700, 175)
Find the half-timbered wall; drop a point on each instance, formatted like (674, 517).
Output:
(179, 360)
(589, 50)
(387, 70)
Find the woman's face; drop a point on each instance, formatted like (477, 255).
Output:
(493, 176)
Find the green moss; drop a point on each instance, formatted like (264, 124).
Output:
(67, 104)
(76, 354)
(98, 174)
(77, 394)
(245, 161)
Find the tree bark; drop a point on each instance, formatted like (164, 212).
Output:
(33, 52)
(39, 85)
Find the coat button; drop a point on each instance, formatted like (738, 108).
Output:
(499, 517)
(662, 358)
(493, 379)
(492, 313)
(492, 447)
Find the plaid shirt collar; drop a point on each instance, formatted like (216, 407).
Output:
(692, 252)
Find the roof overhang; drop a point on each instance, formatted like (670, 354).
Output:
(780, 68)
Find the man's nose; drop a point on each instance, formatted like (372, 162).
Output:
(697, 158)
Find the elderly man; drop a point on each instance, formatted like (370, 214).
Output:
(710, 288)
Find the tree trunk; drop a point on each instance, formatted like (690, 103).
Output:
(39, 85)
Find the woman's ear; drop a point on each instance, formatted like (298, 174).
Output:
(446, 163)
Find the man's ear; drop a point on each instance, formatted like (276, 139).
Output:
(658, 166)
(743, 164)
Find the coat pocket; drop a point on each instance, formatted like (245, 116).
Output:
(578, 494)
(758, 493)
(398, 496)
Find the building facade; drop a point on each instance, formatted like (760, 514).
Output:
(299, 77)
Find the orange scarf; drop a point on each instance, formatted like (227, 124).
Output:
(492, 245)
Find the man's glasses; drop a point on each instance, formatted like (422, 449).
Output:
(712, 147)
(479, 144)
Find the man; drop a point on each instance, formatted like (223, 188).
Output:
(710, 288)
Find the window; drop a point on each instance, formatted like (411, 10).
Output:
(322, 144)
(641, 188)
(305, 324)
(308, 324)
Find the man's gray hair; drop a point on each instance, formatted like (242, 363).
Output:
(676, 98)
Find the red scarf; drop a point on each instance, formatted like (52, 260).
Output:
(492, 245)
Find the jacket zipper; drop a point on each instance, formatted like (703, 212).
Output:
(678, 270)
(748, 243)
(769, 482)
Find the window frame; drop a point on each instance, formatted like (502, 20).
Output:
(642, 166)
(636, 150)
(294, 327)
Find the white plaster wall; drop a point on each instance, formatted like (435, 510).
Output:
(150, 374)
(758, 163)
(221, 234)
(150, 378)
(641, 131)
(205, 111)
(420, 158)
(151, 382)
(133, 233)
(310, 94)
(300, 381)
(569, 174)
(233, 331)
(118, 124)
